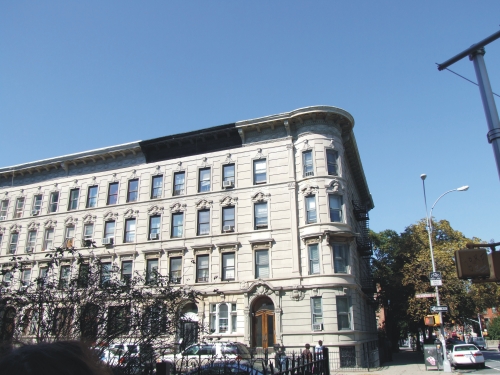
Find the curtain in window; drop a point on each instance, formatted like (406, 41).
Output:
(262, 264)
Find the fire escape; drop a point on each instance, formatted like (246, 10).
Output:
(364, 246)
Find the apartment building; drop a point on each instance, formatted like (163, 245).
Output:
(267, 218)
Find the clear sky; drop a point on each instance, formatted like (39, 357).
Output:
(80, 75)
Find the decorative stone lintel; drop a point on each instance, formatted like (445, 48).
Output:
(202, 248)
(152, 251)
(232, 246)
(312, 237)
(262, 243)
(127, 253)
(340, 235)
(175, 251)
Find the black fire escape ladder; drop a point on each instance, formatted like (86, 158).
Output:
(363, 240)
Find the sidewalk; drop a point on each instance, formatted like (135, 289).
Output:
(405, 362)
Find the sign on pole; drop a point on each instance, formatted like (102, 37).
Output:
(435, 309)
(435, 278)
(425, 295)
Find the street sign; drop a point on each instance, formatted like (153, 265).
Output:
(425, 295)
(435, 309)
(435, 278)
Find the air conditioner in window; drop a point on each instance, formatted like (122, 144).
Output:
(228, 228)
(2, 218)
(307, 174)
(227, 184)
(154, 236)
(317, 327)
(108, 241)
(29, 249)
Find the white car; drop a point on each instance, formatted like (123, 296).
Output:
(466, 355)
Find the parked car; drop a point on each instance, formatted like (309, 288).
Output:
(480, 342)
(226, 368)
(203, 353)
(465, 355)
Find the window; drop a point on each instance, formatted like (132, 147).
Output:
(118, 320)
(228, 176)
(69, 236)
(54, 201)
(179, 180)
(105, 274)
(259, 172)
(129, 230)
(317, 310)
(92, 196)
(19, 208)
(157, 187)
(151, 271)
(340, 258)
(204, 180)
(260, 213)
(154, 227)
(335, 208)
(26, 277)
(14, 237)
(227, 266)
(4, 205)
(203, 222)
(37, 205)
(42, 276)
(307, 159)
(73, 199)
(310, 209)
(202, 268)
(228, 219)
(112, 193)
(347, 355)
(109, 229)
(133, 190)
(177, 224)
(61, 325)
(48, 241)
(126, 272)
(343, 313)
(223, 318)
(175, 270)
(331, 162)
(7, 278)
(64, 276)
(83, 275)
(261, 264)
(30, 243)
(313, 259)
(88, 232)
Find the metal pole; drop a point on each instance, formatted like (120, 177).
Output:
(490, 109)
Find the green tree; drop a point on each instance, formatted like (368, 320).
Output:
(494, 329)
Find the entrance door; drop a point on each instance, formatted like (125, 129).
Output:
(263, 324)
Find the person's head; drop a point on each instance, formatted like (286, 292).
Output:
(320, 342)
(308, 346)
(58, 358)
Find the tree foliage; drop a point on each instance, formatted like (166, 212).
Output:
(81, 297)
(402, 265)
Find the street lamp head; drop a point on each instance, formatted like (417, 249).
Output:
(463, 188)
(423, 176)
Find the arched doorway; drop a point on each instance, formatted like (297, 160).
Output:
(189, 325)
(263, 325)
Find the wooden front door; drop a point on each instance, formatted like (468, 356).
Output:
(263, 327)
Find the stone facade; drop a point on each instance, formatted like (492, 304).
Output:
(274, 250)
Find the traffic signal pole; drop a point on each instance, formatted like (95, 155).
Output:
(476, 55)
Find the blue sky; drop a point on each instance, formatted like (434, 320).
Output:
(76, 76)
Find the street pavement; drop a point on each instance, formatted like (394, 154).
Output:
(409, 362)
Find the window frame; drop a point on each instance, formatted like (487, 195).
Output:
(316, 317)
(339, 210)
(262, 266)
(258, 225)
(152, 271)
(204, 184)
(4, 208)
(228, 222)
(130, 230)
(175, 228)
(85, 234)
(105, 274)
(106, 231)
(154, 229)
(49, 232)
(314, 263)
(36, 207)
(64, 276)
(226, 269)
(203, 227)
(255, 178)
(215, 318)
(310, 219)
(307, 163)
(19, 208)
(31, 242)
(126, 271)
(92, 198)
(53, 203)
(228, 177)
(133, 195)
(175, 275)
(111, 195)
(178, 187)
(332, 163)
(74, 195)
(202, 273)
(342, 314)
(342, 265)
(13, 242)
(156, 191)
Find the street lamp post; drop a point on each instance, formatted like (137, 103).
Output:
(429, 232)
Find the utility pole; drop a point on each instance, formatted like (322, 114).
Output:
(476, 53)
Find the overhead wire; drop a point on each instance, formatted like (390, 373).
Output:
(467, 79)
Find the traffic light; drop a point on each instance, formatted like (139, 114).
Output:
(478, 265)
(432, 320)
